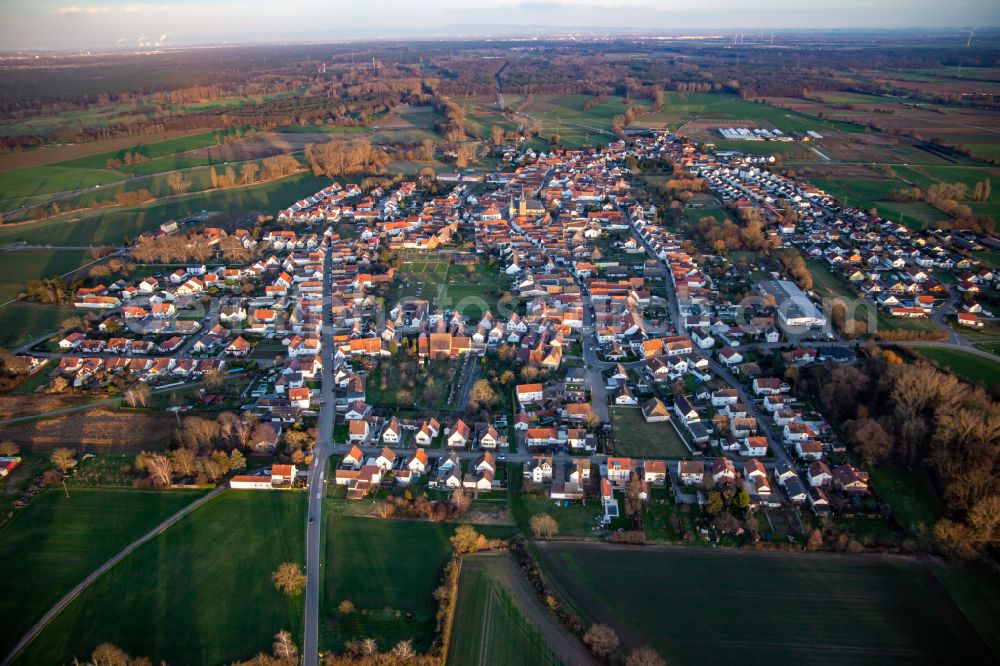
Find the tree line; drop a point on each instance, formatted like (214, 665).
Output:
(914, 415)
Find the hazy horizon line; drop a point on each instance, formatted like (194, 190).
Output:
(536, 33)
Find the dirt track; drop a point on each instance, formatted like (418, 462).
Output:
(503, 568)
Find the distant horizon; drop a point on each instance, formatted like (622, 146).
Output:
(96, 24)
(751, 36)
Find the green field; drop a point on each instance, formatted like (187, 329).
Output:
(24, 186)
(21, 266)
(21, 322)
(32, 184)
(970, 367)
(975, 591)
(199, 593)
(635, 437)
(110, 227)
(386, 569)
(55, 542)
(491, 626)
(151, 151)
(874, 192)
(692, 605)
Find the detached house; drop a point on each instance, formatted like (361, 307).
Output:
(691, 472)
(460, 434)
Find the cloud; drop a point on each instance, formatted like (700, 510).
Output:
(132, 10)
(73, 10)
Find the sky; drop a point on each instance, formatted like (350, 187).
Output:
(73, 24)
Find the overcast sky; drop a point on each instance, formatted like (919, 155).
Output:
(102, 23)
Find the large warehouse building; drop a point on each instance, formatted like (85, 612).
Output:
(796, 311)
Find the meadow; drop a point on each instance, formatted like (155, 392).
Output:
(389, 570)
(692, 605)
(56, 541)
(199, 593)
(914, 502)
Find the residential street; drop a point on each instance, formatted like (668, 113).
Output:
(317, 474)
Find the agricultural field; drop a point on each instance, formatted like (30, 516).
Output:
(112, 226)
(501, 621)
(33, 184)
(185, 597)
(691, 605)
(969, 367)
(553, 110)
(151, 151)
(406, 125)
(78, 151)
(635, 437)
(23, 322)
(19, 266)
(96, 430)
(56, 541)
(389, 570)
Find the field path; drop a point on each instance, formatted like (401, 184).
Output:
(565, 645)
(101, 570)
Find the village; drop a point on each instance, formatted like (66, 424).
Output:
(582, 344)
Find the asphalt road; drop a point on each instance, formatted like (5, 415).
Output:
(317, 473)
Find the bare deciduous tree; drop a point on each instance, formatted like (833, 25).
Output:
(284, 647)
(601, 639)
(159, 469)
(63, 458)
(138, 394)
(289, 578)
(544, 526)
